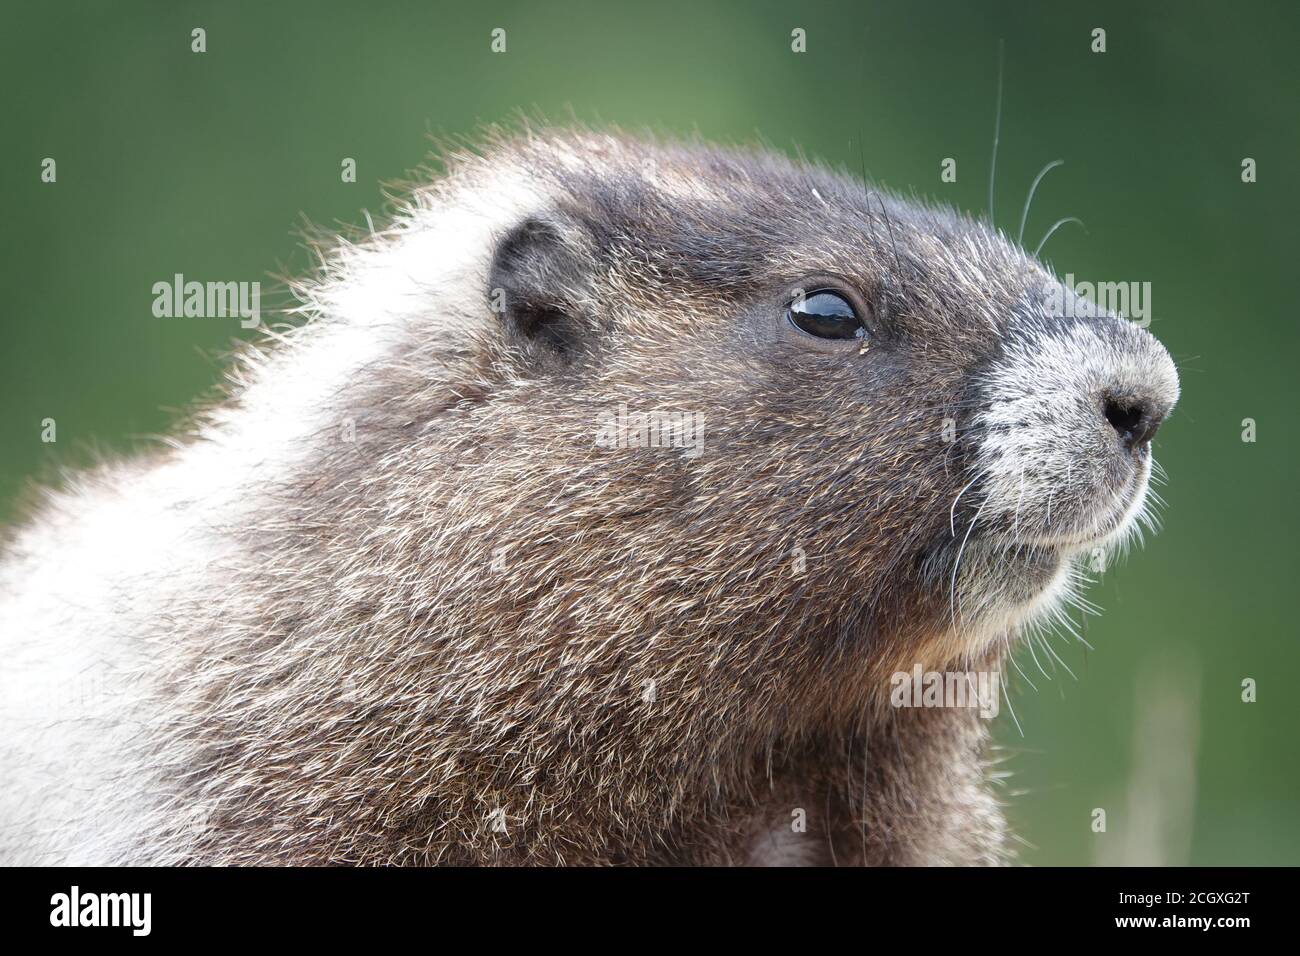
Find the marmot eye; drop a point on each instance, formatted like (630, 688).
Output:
(827, 315)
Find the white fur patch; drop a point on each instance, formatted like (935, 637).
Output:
(86, 587)
(1047, 459)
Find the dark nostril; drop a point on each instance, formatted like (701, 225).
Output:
(1135, 420)
(1123, 416)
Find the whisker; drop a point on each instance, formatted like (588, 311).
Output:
(997, 134)
(1055, 226)
(952, 521)
(1016, 664)
(1028, 642)
(956, 565)
(898, 264)
(1024, 215)
(1011, 709)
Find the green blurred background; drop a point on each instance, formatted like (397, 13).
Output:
(170, 161)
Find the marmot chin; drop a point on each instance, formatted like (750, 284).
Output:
(392, 600)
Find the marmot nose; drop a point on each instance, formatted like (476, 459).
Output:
(1134, 419)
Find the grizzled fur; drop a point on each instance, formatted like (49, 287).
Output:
(391, 602)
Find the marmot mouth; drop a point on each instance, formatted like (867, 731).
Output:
(1105, 525)
(1010, 570)
(1098, 523)
(1017, 574)
(992, 583)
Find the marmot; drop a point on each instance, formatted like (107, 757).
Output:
(423, 587)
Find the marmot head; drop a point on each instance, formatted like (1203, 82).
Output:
(785, 402)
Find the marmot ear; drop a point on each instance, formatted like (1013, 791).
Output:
(539, 276)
